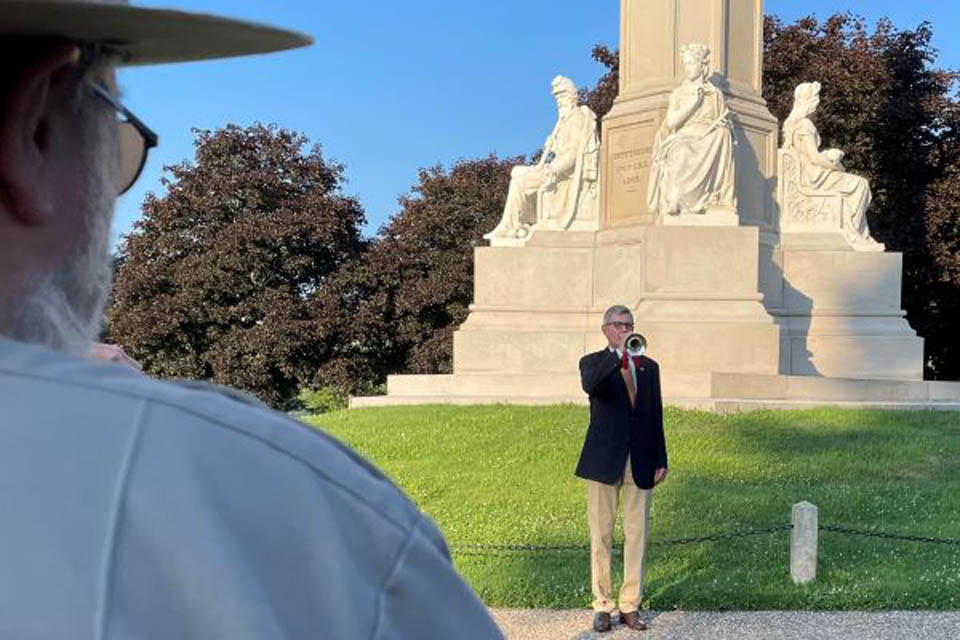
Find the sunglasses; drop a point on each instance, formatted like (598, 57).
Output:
(136, 139)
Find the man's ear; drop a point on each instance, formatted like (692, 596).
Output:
(25, 147)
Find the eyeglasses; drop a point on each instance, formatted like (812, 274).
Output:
(136, 140)
(621, 326)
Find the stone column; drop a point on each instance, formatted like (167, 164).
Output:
(651, 33)
(803, 543)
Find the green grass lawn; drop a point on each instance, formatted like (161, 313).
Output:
(504, 475)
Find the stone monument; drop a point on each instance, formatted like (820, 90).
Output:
(751, 290)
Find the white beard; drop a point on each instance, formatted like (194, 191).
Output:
(63, 308)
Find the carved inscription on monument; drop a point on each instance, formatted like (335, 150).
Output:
(627, 165)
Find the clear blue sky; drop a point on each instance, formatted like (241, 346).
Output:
(394, 85)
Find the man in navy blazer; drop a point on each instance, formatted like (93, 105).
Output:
(624, 452)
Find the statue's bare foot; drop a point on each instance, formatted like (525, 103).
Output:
(498, 232)
(865, 243)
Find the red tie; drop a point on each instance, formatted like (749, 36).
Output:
(628, 379)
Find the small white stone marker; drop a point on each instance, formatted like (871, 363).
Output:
(803, 543)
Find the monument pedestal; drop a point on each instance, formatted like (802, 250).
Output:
(538, 309)
(737, 321)
(839, 311)
(700, 307)
(709, 218)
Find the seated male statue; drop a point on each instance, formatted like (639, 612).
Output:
(552, 192)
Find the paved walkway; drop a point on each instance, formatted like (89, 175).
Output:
(546, 624)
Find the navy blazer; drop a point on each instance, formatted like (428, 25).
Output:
(617, 429)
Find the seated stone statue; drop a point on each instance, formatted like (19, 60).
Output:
(561, 187)
(692, 168)
(820, 175)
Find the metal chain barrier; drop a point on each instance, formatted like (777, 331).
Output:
(519, 549)
(888, 536)
(513, 549)
(724, 536)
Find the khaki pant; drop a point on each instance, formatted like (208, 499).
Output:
(601, 515)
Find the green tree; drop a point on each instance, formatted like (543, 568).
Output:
(395, 310)
(600, 98)
(219, 279)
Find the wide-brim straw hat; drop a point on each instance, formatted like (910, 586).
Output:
(144, 35)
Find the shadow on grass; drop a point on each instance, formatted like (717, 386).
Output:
(809, 433)
(883, 470)
(544, 580)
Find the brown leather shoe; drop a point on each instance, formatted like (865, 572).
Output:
(632, 620)
(601, 622)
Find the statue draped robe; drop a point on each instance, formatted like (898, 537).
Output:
(803, 139)
(692, 168)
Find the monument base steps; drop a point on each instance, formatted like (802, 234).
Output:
(725, 392)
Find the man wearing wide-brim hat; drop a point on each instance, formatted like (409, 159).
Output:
(137, 509)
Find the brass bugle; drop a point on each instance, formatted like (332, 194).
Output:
(635, 344)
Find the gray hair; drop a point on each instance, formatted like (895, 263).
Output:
(616, 310)
(62, 307)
